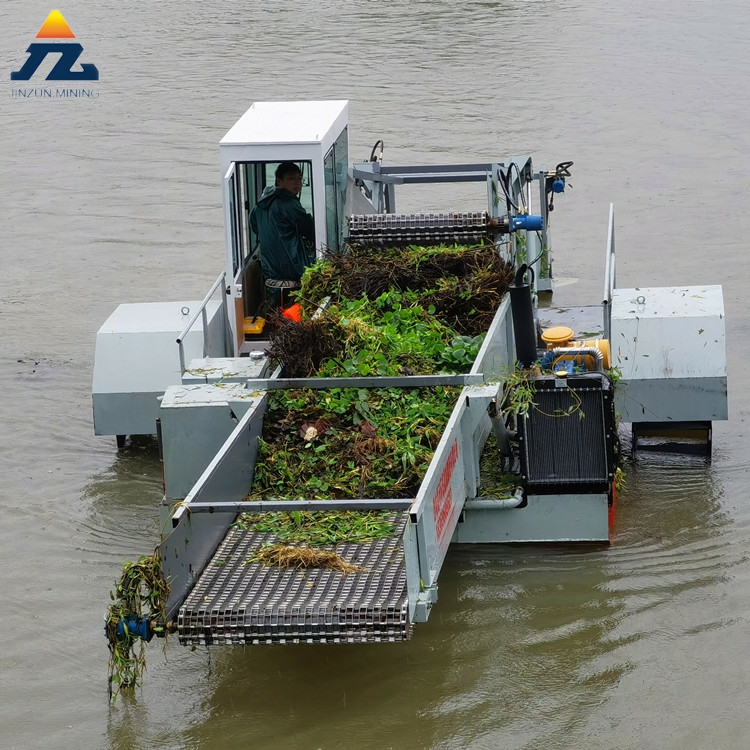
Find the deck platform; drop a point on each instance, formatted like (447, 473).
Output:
(587, 322)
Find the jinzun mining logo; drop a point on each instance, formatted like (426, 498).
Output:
(53, 30)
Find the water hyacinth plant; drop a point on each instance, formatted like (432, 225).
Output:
(403, 311)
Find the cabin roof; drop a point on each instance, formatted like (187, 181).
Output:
(286, 122)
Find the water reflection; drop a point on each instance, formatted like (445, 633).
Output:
(525, 643)
(123, 501)
(544, 636)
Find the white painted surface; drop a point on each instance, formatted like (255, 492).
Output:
(287, 122)
(136, 348)
(225, 369)
(668, 332)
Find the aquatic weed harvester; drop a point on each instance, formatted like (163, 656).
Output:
(264, 540)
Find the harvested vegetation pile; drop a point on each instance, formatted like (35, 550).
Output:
(404, 311)
(285, 556)
(462, 286)
(409, 311)
(349, 442)
(316, 528)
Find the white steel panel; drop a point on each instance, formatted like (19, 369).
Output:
(136, 348)
(668, 332)
(546, 518)
(190, 410)
(288, 122)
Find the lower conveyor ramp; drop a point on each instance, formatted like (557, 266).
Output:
(239, 603)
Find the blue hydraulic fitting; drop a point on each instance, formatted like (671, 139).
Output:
(136, 625)
(558, 185)
(570, 366)
(526, 221)
(545, 363)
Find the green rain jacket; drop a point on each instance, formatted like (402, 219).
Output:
(286, 233)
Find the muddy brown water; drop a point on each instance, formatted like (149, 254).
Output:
(117, 199)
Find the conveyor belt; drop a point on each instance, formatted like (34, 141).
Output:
(238, 603)
(467, 228)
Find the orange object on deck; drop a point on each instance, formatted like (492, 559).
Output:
(293, 312)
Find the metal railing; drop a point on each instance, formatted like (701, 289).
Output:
(609, 274)
(202, 312)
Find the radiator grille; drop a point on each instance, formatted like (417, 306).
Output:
(567, 437)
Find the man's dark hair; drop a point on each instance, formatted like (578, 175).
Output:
(285, 168)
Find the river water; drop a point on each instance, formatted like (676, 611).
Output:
(117, 199)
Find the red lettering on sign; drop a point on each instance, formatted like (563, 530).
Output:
(442, 501)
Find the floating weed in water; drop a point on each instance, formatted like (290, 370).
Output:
(284, 556)
(139, 600)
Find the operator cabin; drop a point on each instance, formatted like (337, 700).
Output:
(312, 135)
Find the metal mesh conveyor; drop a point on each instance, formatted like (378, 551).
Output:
(238, 603)
(466, 228)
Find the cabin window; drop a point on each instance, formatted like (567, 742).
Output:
(252, 179)
(335, 171)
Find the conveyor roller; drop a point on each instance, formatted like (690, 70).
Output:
(468, 228)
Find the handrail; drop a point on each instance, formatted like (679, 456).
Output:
(609, 272)
(201, 311)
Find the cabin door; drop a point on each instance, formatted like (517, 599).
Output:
(234, 250)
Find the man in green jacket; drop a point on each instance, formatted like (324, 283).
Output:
(285, 231)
